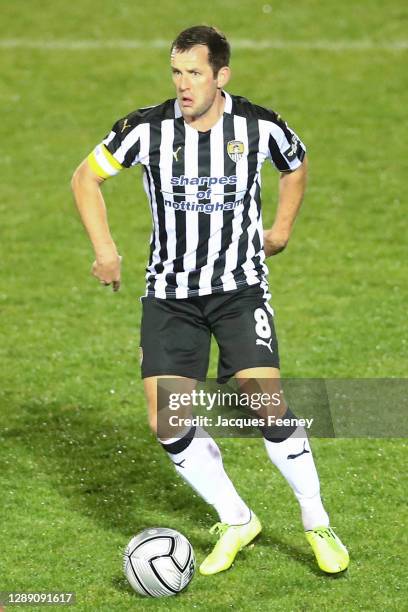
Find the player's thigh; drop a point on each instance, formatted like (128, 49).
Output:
(174, 339)
(245, 333)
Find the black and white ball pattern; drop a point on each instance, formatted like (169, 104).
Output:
(159, 562)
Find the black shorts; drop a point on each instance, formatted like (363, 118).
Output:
(176, 334)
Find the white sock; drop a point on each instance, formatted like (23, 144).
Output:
(293, 458)
(200, 464)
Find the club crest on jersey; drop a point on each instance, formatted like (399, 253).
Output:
(235, 150)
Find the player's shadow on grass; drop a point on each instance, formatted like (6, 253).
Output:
(111, 470)
(293, 553)
(303, 556)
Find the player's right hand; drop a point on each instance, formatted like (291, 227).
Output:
(107, 271)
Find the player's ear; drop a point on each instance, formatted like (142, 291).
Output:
(223, 76)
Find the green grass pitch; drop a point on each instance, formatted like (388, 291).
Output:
(80, 472)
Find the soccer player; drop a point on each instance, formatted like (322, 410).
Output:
(202, 154)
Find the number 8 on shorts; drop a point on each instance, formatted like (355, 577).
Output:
(262, 327)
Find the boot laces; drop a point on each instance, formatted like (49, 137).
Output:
(324, 532)
(219, 528)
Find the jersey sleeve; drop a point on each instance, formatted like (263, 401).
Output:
(284, 148)
(119, 149)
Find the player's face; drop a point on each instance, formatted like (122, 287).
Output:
(196, 86)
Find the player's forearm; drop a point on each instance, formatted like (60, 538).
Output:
(291, 191)
(92, 210)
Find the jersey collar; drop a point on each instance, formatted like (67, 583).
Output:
(228, 102)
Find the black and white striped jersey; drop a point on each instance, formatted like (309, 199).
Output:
(204, 190)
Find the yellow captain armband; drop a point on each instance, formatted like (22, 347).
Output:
(103, 163)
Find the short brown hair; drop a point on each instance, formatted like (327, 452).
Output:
(219, 50)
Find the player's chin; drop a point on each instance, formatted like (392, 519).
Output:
(187, 109)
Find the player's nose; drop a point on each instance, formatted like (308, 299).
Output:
(184, 83)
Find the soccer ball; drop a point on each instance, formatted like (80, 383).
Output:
(159, 562)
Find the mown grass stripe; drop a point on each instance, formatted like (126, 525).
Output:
(237, 44)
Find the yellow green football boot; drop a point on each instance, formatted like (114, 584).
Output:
(331, 554)
(232, 539)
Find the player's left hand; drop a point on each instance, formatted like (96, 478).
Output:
(275, 241)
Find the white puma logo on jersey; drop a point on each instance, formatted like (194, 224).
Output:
(175, 154)
(263, 343)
